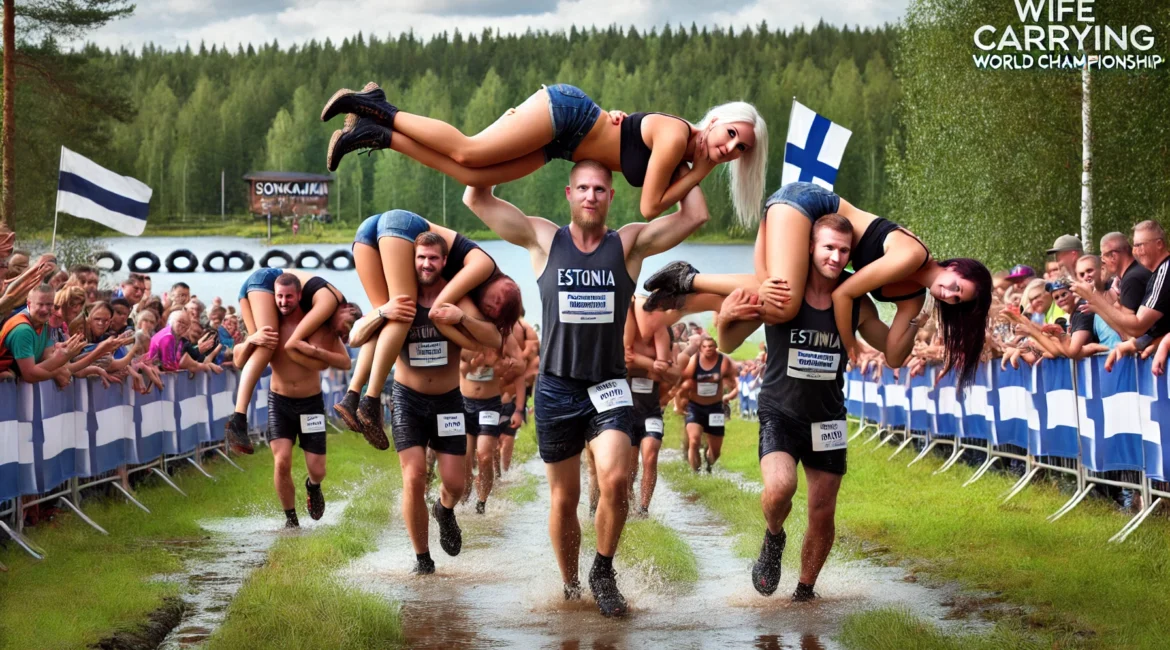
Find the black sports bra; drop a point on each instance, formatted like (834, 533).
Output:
(871, 246)
(635, 155)
(310, 288)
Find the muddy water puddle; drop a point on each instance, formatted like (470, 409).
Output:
(504, 589)
(214, 572)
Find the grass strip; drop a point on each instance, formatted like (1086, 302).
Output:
(92, 585)
(1071, 579)
(895, 629)
(296, 600)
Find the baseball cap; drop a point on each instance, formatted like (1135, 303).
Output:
(1021, 271)
(1066, 243)
(1056, 285)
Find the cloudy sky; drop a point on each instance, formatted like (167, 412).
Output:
(174, 23)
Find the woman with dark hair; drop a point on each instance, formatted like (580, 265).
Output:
(889, 262)
(561, 121)
(383, 254)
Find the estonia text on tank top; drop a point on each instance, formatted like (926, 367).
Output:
(584, 301)
(707, 380)
(425, 347)
(806, 364)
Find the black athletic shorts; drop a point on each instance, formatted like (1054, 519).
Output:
(483, 416)
(506, 411)
(702, 415)
(298, 418)
(435, 421)
(648, 423)
(778, 432)
(566, 418)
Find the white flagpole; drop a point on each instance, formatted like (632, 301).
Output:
(57, 204)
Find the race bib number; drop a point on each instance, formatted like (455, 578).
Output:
(829, 436)
(428, 354)
(451, 424)
(715, 420)
(610, 394)
(807, 364)
(314, 423)
(653, 425)
(708, 389)
(642, 385)
(484, 373)
(586, 307)
(490, 418)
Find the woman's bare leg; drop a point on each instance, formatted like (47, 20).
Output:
(724, 283)
(650, 322)
(368, 264)
(513, 136)
(261, 311)
(486, 176)
(397, 257)
(787, 234)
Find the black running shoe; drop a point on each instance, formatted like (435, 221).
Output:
(663, 300)
(803, 593)
(369, 417)
(676, 277)
(236, 432)
(708, 459)
(603, 584)
(450, 536)
(363, 134)
(290, 519)
(346, 409)
(766, 571)
(573, 591)
(315, 502)
(369, 102)
(423, 567)
(480, 507)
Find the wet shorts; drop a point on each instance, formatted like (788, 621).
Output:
(298, 418)
(260, 280)
(573, 116)
(710, 417)
(647, 425)
(810, 199)
(779, 432)
(435, 421)
(566, 418)
(394, 223)
(506, 411)
(483, 416)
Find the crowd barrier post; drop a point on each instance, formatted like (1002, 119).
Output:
(948, 419)
(895, 405)
(1053, 426)
(978, 405)
(922, 410)
(13, 509)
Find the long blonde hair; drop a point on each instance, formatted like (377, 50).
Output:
(747, 174)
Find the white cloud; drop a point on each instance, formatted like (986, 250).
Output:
(175, 23)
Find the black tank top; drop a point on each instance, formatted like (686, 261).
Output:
(584, 301)
(645, 392)
(707, 380)
(457, 256)
(635, 155)
(425, 347)
(871, 246)
(315, 284)
(806, 363)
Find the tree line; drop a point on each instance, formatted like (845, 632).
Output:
(196, 113)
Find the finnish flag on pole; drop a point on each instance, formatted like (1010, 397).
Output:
(87, 190)
(814, 148)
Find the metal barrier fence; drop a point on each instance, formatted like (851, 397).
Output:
(56, 443)
(1101, 428)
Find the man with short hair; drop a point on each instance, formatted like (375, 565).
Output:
(120, 319)
(481, 384)
(296, 407)
(17, 263)
(709, 384)
(428, 408)
(585, 272)
(1128, 276)
(180, 294)
(801, 403)
(131, 289)
(1152, 317)
(1065, 251)
(25, 345)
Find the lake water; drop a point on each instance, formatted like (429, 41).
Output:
(513, 260)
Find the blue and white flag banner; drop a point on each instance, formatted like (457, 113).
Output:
(87, 190)
(814, 148)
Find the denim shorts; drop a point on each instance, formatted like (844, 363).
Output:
(393, 223)
(566, 418)
(573, 115)
(810, 199)
(260, 280)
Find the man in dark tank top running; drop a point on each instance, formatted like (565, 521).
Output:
(801, 402)
(586, 273)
